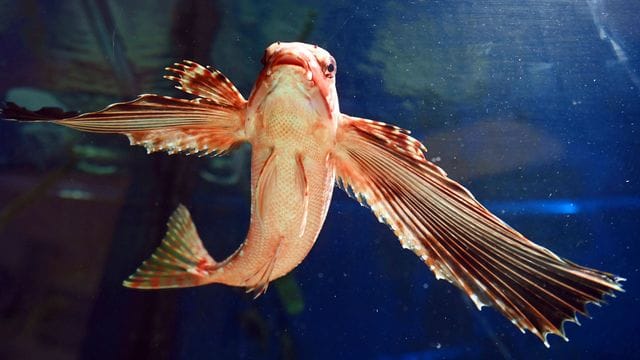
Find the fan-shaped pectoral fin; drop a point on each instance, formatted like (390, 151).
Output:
(460, 240)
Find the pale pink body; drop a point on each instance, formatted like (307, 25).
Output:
(294, 134)
(283, 131)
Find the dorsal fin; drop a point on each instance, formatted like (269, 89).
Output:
(205, 82)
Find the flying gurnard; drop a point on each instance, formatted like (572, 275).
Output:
(301, 145)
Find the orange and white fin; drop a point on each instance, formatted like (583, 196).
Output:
(460, 240)
(212, 123)
(162, 123)
(180, 261)
(205, 82)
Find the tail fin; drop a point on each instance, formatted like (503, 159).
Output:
(180, 261)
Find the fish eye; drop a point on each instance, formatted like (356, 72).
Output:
(330, 69)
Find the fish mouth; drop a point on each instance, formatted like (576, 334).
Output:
(289, 59)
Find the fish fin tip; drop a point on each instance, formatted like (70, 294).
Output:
(14, 112)
(180, 261)
(258, 290)
(162, 123)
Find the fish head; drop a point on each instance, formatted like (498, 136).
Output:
(308, 68)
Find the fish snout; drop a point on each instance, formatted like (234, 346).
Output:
(289, 59)
(286, 58)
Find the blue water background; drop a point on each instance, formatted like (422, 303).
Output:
(566, 72)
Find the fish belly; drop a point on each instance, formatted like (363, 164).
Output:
(292, 183)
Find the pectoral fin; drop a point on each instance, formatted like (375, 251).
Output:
(211, 123)
(459, 239)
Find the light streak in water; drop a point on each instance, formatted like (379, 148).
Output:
(563, 206)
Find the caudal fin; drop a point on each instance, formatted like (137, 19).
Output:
(180, 261)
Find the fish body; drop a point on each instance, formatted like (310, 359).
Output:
(291, 126)
(301, 145)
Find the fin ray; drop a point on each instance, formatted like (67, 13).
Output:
(266, 180)
(303, 188)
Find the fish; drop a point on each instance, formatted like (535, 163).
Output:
(302, 145)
